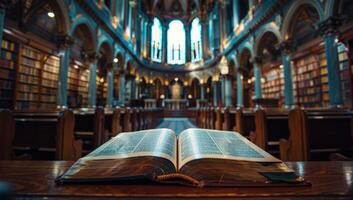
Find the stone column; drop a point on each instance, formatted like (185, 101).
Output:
(223, 94)
(215, 93)
(133, 87)
(240, 97)
(110, 89)
(92, 85)
(64, 43)
(329, 31)
(287, 67)
(257, 74)
(227, 90)
(187, 42)
(122, 88)
(137, 90)
(164, 43)
(236, 12)
(203, 88)
(205, 40)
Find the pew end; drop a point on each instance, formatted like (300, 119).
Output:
(7, 134)
(284, 149)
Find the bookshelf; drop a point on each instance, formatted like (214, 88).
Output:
(308, 81)
(29, 79)
(78, 79)
(8, 65)
(72, 85)
(344, 66)
(37, 79)
(273, 87)
(49, 83)
(83, 85)
(101, 88)
(324, 79)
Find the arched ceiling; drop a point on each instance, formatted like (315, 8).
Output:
(170, 9)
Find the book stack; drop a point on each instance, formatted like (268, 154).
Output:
(273, 87)
(29, 78)
(324, 79)
(8, 60)
(308, 81)
(83, 86)
(50, 76)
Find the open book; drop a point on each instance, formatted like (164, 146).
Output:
(198, 157)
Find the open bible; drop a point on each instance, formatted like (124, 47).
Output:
(198, 157)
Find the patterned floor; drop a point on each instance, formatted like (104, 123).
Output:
(176, 124)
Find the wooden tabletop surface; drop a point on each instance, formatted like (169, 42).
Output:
(35, 180)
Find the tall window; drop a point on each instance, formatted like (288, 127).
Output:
(156, 46)
(176, 42)
(196, 50)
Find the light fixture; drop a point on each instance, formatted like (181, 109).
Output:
(102, 80)
(176, 79)
(190, 96)
(116, 60)
(51, 14)
(162, 96)
(281, 66)
(76, 66)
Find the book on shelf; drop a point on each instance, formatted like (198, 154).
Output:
(197, 157)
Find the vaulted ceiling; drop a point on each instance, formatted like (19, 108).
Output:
(175, 8)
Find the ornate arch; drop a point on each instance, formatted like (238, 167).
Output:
(84, 22)
(108, 42)
(268, 28)
(293, 11)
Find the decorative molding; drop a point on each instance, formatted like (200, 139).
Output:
(65, 41)
(330, 26)
(286, 47)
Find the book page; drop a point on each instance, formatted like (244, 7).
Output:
(154, 142)
(203, 143)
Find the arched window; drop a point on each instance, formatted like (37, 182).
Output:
(196, 49)
(176, 42)
(156, 42)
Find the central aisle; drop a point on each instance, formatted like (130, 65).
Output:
(176, 124)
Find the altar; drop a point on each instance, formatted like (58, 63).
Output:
(175, 104)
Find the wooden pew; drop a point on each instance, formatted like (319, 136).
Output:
(207, 118)
(212, 118)
(245, 121)
(219, 118)
(112, 121)
(7, 134)
(315, 134)
(89, 126)
(271, 125)
(199, 117)
(45, 132)
(228, 120)
(142, 119)
(127, 126)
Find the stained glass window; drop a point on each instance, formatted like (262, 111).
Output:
(176, 42)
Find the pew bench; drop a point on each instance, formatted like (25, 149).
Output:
(317, 134)
(46, 135)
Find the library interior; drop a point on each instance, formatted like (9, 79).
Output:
(100, 98)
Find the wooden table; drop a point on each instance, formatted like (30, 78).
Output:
(35, 179)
